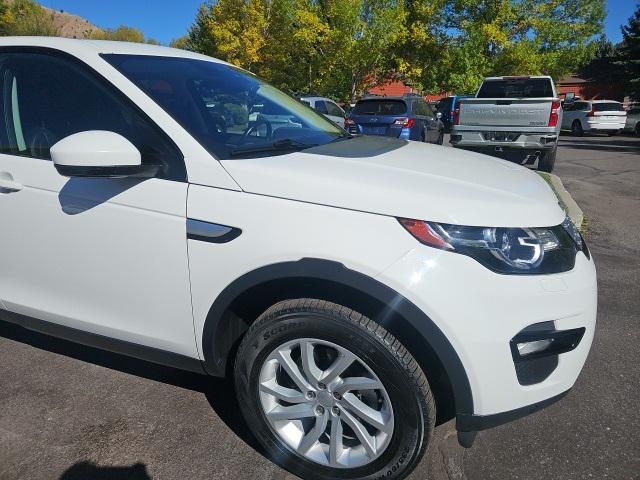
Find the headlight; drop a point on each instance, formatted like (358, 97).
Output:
(505, 250)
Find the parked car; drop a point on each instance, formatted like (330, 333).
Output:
(632, 123)
(327, 107)
(595, 116)
(354, 287)
(447, 107)
(408, 117)
(516, 118)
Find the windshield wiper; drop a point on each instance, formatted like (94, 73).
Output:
(278, 145)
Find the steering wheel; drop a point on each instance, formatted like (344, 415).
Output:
(254, 127)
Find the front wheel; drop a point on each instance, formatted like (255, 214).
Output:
(330, 394)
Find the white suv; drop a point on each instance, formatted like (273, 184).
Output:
(172, 207)
(600, 116)
(327, 107)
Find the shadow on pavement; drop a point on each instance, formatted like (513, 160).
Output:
(219, 392)
(601, 143)
(89, 471)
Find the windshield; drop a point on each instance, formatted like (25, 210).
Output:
(608, 107)
(225, 108)
(380, 107)
(516, 88)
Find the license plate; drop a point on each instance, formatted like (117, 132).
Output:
(375, 130)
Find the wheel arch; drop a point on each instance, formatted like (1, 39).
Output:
(247, 297)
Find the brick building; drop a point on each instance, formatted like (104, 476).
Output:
(583, 88)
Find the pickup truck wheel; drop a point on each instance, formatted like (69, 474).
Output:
(547, 161)
(576, 128)
(330, 394)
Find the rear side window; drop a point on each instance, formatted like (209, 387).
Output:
(608, 107)
(46, 98)
(380, 107)
(334, 109)
(321, 107)
(516, 88)
(582, 106)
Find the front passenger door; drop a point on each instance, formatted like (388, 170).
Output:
(104, 255)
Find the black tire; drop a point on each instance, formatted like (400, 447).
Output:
(547, 161)
(406, 385)
(576, 128)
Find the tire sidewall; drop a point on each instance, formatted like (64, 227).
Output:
(409, 428)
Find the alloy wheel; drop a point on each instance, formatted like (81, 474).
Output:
(325, 403)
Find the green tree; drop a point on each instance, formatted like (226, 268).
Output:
(605, 66)
(26, 17)
(332, 47)
(629, 55)
(180, 42)
(510, 37)
(122, 33)
(339, 48)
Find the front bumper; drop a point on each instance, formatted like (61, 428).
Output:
(480, 312)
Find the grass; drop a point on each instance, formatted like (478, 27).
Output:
(547, 178)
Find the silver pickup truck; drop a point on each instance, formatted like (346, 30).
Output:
(516, 118)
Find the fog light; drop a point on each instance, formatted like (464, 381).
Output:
(527, 348)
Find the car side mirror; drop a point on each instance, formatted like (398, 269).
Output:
(101, 154)
(569, 98)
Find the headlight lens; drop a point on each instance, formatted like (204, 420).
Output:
(505, 250)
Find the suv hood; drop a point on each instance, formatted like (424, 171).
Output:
(405, 179)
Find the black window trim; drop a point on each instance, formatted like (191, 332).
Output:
(104, 81)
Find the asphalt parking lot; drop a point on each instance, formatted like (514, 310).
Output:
(69, 412)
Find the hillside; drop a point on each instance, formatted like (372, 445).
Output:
(71, 26)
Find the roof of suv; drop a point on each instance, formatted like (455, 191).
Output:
(87, 47)
(315, 97)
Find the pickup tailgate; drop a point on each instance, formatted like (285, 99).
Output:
(521, 112)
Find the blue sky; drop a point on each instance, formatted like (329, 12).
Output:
(165, 20)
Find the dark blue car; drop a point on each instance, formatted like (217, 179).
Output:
(408, 117)
(447, 106)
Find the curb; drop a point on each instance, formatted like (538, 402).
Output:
(566, 201)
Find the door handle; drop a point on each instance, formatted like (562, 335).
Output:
(8, 184)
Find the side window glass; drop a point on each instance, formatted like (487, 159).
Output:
(47, 98)
(321, 106)
(428, 110)
(416, 108)
(334, 109)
